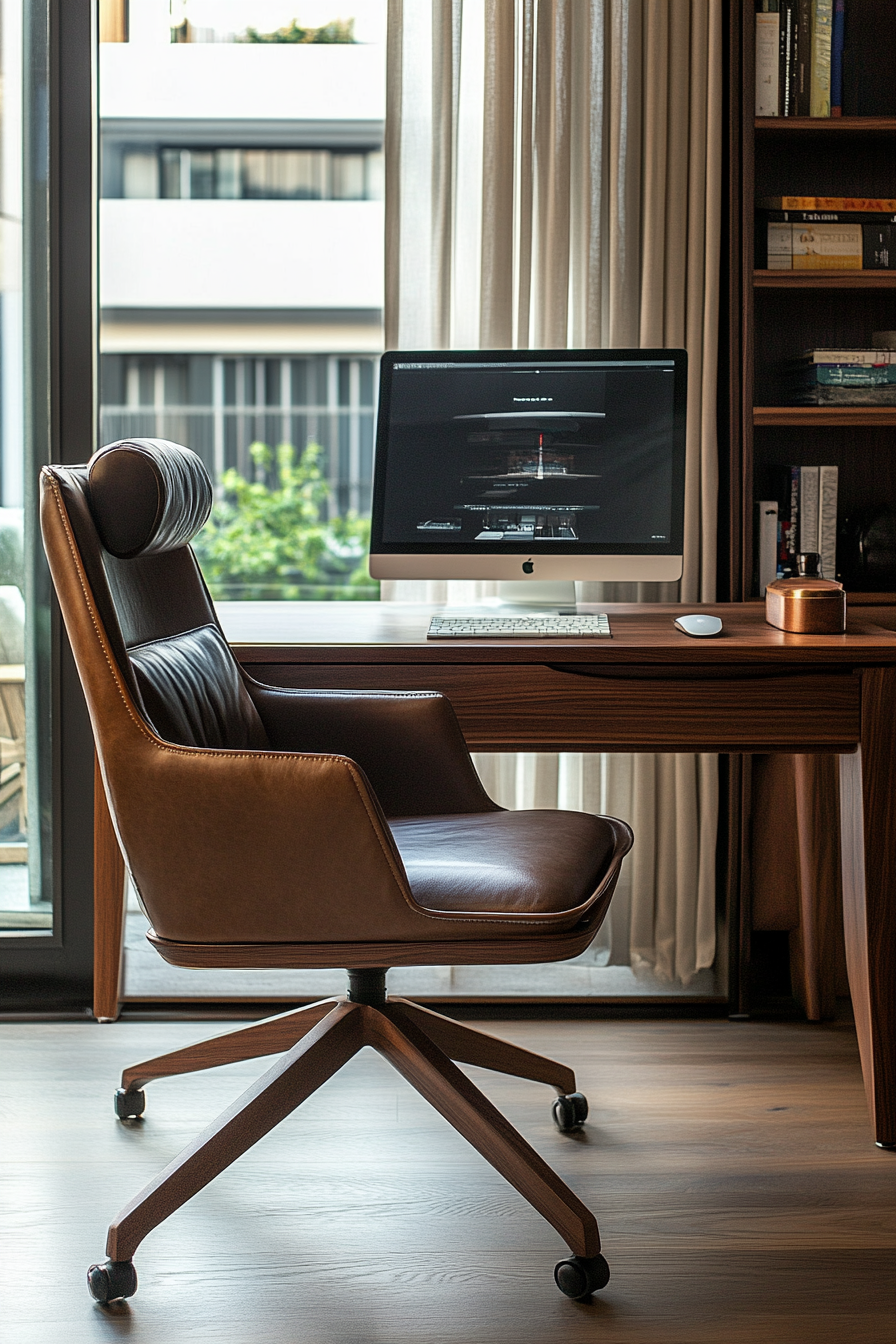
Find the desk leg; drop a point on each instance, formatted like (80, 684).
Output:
(868, 843)
(108, 907)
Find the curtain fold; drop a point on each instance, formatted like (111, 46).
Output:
(553, 179)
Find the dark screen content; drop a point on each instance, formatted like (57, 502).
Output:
(517, 456)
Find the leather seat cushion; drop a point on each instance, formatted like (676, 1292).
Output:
(519, 863)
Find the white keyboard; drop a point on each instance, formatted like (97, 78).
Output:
(520, 627)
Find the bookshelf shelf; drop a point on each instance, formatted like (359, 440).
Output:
(824, 279)
(830, 417)
(826, 125)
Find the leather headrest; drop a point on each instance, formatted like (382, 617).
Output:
(147, 496)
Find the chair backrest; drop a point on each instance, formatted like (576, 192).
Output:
(133, 511)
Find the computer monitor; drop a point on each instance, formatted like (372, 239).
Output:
(530, 465)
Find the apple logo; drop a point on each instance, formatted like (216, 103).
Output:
(528, 567)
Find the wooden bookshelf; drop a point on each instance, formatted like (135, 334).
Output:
(777, 315)
(824, 280)
(826, 125)
(774, 316)
(826, 417)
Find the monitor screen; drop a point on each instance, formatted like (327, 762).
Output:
(522, 464)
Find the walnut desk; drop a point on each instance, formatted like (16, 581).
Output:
(648, 688)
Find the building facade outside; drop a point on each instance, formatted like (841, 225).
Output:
(241, 249)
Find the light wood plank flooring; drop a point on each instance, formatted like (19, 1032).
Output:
(730, 1166)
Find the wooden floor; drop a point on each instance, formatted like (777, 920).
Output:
(730, 1167)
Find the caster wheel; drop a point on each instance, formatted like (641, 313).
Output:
(570, 1112)
(580, 1276)
(114, 1279)
(128, 1105)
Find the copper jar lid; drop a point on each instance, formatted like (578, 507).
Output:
(806, 606)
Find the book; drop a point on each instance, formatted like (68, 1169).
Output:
(826, 216)
(806, 522)
(767, 53)
(832, 355)
(820, 75)
(827, 521)
(820, 395)
(808, 530)
(786, 58)
(819, 247)
(837, 29)
(803, 56)
(846, 375)
(793, 530)
(878, 247)
(847, 204)
(845, 246)
(766, 542)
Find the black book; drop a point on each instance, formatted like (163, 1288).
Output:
(824, 217)
(787, 59)
(878, 247)
(803, 56)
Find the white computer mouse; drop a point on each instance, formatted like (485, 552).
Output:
(703, 627)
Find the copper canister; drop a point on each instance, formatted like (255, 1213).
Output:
(806, 606)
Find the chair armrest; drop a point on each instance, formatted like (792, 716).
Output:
(232, 846)
(408, 743)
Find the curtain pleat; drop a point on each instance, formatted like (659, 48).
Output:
(553, 178)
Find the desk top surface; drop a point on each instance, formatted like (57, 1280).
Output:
(385, 632)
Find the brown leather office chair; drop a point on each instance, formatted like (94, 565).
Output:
(285, 828)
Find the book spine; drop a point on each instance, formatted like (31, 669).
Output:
(820, 247)
(850, 375)
(794, 520)
(779, 247)
(850, 204)
(878, 247)
(820, 85)
(809, 509)
(837, 27)
(767, 42)
(832, 356)
(803, 57)
(788, 52)
(827, 521)
(826, 216)
(767, 551)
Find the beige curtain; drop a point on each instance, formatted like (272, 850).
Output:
(553, 178)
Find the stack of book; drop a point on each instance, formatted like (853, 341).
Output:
(799, 58)
(821, 233)
(842, 378)
(802, 520)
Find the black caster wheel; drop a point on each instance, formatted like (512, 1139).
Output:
(112, 1280)
(580, 1276)
(570, 1112)
(128, 1105)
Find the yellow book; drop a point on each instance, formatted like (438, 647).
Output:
(820, 73)
(827, 247)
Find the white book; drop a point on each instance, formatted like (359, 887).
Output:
(827, 521)
(767, 542)
(808, 509)
(767, 40)
(780, 247)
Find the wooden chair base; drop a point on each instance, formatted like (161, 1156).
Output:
(317, 1041)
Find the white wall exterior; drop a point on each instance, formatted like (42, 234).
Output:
(227, 81)
(241, 254)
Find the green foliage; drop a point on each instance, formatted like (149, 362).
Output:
(266, 538)
(12, 560)
(339, 30)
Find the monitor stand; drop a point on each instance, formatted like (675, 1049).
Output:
(520, 596)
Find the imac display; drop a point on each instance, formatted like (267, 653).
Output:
(530, 465)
